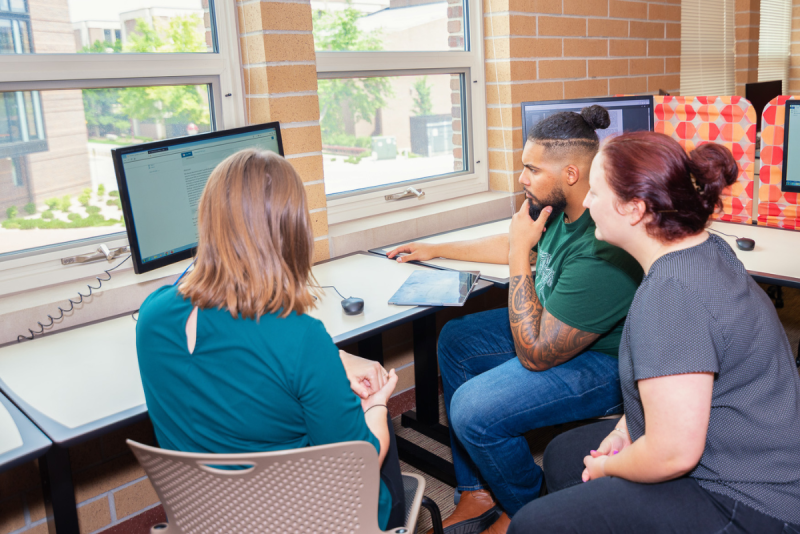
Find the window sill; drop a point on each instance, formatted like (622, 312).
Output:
(414, 222)
(124, 293)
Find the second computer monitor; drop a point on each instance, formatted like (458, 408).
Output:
(791, 148)
(628, 113)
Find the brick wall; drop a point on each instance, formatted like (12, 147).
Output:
(746, 21)
(280, 84)
(554, 49)
(794, 58)
(110, 487)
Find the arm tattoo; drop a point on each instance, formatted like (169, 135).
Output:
(541, 340)
(532, 257)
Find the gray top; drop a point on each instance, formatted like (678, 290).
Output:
(698, 310)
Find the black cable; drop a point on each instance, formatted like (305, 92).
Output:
(72, 303)
(723, 233)
(332, 287)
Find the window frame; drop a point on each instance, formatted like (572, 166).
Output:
(221, 70)
(361, 203)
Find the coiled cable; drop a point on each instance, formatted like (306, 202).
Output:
(72, 303)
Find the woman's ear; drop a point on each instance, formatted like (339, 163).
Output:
(635, 210)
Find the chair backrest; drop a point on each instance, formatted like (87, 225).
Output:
(326, 489)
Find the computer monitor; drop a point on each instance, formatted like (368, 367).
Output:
(160, 185)
(790, 181)
(759, 94)
(628, 113)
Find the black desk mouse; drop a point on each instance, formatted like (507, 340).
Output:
(353, 305)
(745, 243)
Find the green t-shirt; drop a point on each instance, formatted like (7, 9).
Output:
(585, 283)
(249, 386)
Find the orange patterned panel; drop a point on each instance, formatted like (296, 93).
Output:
(727, 120)
(775, 208)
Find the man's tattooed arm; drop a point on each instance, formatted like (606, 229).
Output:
(541, 340)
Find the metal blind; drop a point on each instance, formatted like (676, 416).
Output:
(707, 47)
(773, 41)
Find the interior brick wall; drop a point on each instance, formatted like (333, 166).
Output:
(561, 49)
(280, 84)
(747, 20)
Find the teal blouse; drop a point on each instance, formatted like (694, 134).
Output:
(249, 386)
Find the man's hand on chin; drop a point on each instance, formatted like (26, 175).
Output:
(524, 233)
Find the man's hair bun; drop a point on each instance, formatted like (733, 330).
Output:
(596, 116)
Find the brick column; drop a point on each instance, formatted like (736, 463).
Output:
(455, 40)
(747, 20)
(280, 84)
(794, 58)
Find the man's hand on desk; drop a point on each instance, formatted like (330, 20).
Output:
(414, 252)
(366, 377)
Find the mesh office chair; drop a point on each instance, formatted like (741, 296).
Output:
(326, 489)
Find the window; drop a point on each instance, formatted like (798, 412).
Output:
(401, 92)
(121, 76)
(707, 47)
(773, 42)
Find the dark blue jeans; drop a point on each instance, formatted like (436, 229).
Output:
(492, 401)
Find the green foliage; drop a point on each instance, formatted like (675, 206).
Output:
(51, 203)
(30, 208)
(64, 203)
(114, 202)
(47, 214)
(101, 190)
(343, 139)
(346, 100)
(111, 110)
(182, 103)
(102, 47)
(12, 212)
(75, 222)
(114, 194)
(93, 210)
(84, 199)
(355, 160)
(422, 100)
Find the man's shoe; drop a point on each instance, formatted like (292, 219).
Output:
(500, 526)
(475, 512)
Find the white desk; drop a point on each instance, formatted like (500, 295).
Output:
(498, 274)
(20, 440)
(776, 257)
(78, 383)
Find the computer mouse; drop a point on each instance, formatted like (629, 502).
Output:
(745, 243)
(353, 305)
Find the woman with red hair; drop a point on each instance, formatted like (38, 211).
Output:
(710, 439)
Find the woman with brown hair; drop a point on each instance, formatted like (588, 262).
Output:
(710, 439)
(230, 360)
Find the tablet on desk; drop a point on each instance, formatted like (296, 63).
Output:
(436, 288)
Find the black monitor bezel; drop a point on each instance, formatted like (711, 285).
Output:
(589, 101)
(787, 188)
(140, 267)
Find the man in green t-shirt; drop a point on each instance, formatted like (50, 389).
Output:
(551, 357)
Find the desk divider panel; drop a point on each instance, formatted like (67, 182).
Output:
(775, 208)
(727, 120)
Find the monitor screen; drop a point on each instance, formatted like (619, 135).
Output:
(628, 113)
(790, 182)
(759, 94)
(160, 186)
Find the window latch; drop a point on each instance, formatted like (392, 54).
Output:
(103, 253)
(410, 192)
